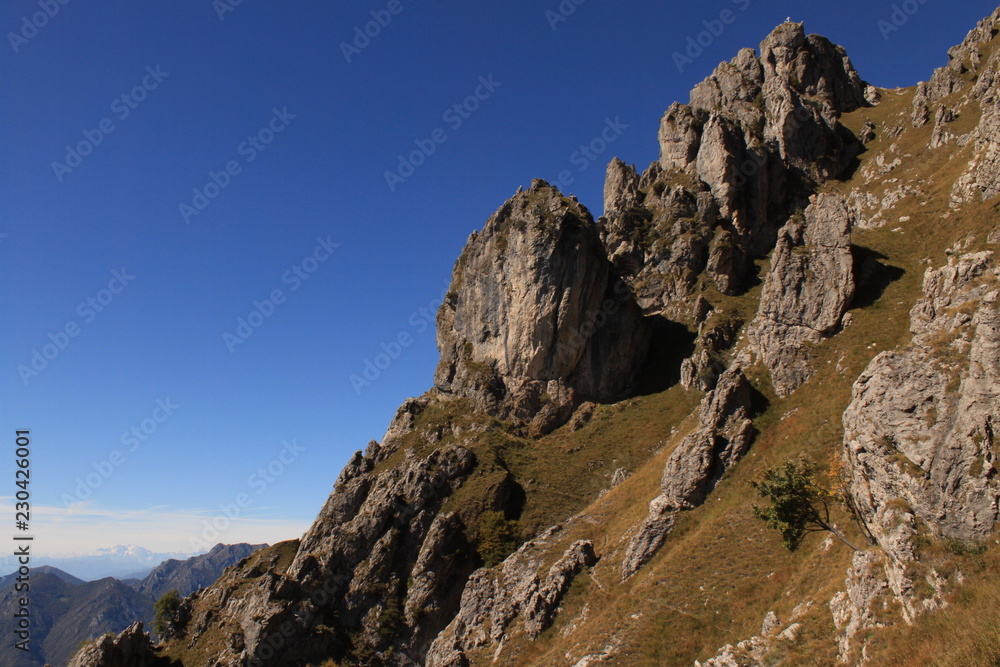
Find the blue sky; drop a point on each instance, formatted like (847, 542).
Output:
(277, 139)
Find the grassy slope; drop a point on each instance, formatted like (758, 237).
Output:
(721, 572)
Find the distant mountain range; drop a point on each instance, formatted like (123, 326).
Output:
(67, 611)
(120, 562)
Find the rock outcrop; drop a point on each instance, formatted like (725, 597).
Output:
(717, 333)
(753, 652)
(806, 293)
(964, 59)
(132, 648)
(378, 574)
(971, 81)
(920, 438)
(723, 436)
(759, 135)
(538, 321)
(516, 590)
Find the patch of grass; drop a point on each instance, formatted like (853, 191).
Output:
(968, 622)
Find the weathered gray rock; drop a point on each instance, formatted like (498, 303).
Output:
(922, 421)
(722, 438)
(974, 80)
(379, 558)
(537, 320)
(806, 292)
(132, 648)
(941, 135)
(865, 601)
(919, 440)
(716, 334)
(952, 77)
(757, 135)
(496, 599)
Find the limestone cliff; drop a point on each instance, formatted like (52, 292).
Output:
(537, 320)
(806, 292)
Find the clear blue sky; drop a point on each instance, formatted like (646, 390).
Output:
(207, 84)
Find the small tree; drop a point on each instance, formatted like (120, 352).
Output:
(166, 619)
(798, 504)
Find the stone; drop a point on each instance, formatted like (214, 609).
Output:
(537, 320)
(722, 437)
(806, 293)
(512, 598)
(132, 648)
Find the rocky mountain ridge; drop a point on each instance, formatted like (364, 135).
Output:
(754, 263)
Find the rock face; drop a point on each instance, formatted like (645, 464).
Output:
(537, 320)
(716, 333)
(494, 600)
(759, 135)
(379, 573)
(922, 421)
(807, 291)
(723, 436)
(132, 648)
(974, 78)
(920, 434)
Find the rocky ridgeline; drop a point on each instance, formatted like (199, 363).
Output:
(723, 435)
(758, 137)
(550, 312)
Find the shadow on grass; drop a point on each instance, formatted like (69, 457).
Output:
(872, 276)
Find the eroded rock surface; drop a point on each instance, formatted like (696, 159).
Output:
(724, 434)
(920, 437)
(760, 134)
(513, 597)
(537, 320)
(806, 293)
(132, 648)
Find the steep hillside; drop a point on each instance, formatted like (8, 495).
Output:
(808, 269)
